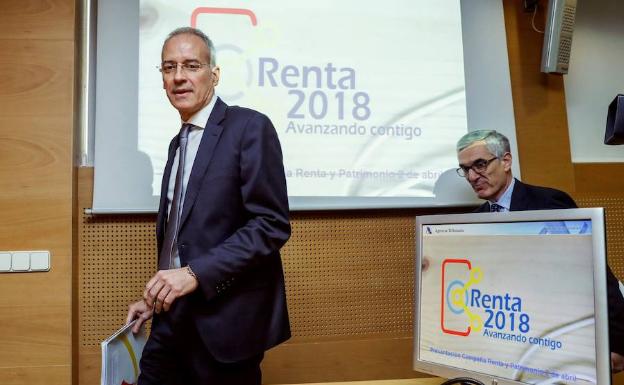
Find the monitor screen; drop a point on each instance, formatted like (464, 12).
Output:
(512, 298)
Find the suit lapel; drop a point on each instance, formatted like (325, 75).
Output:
(210, 138)
(519, 197)
(484, 208)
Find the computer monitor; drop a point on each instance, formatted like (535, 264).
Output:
(512, 298)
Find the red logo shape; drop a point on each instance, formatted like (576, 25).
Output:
(223, 11)
(443, 297)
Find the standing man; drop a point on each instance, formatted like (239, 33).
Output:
(485, 161)
(218, 300)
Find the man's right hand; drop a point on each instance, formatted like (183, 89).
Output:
(141, 311)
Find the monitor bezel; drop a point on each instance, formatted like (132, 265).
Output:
(596, 215)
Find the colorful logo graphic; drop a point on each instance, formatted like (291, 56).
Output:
(228, 49)
(223, 11)
(455, 315)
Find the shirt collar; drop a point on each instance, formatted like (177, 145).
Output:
(200, 118)
(505, 199)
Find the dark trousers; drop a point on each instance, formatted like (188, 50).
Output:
(176, 355)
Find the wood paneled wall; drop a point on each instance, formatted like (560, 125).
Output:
(541, 124)
(36, 183)
(541, 118)
(539, 104)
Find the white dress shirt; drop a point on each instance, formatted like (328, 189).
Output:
(505, 199)
(198, 120)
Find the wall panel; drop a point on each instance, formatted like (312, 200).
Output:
(539, 105)
(38, 75)
(614, 217)
(600, 178)
(36, 136)
(35, 375)
(37, 20)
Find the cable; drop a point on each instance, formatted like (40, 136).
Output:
(533, 20)
(462, 381)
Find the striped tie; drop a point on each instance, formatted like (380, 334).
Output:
(173, 222)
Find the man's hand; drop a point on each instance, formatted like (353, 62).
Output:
(167, 286)
(617, 362)
(141, 311)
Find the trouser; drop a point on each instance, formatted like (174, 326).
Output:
(181, 358)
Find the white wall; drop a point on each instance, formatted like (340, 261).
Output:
(596, 76)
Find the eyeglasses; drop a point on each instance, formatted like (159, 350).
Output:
(479, 166)
(168, 68)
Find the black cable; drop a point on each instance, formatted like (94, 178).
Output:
(462, 381)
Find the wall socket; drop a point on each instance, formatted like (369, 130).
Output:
(24, 261)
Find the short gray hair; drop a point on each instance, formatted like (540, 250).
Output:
(496, 143)
(199, 34)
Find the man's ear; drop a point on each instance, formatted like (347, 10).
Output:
(507, 160)
(216, 73)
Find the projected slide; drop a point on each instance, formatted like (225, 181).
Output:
(500, 310)
(368, 98)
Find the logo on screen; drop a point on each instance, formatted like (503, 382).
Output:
(228, 50)
(456, 318)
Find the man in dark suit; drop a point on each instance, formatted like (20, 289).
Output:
(485, 161)
(218, 301)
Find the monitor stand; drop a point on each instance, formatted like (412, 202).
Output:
(462, 381)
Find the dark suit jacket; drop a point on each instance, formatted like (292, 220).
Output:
(234, 221)
(527, 197)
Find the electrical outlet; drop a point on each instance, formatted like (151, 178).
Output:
(24, 261)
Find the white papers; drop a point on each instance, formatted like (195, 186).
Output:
(121, 353)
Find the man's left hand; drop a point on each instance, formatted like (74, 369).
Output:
(167, 286)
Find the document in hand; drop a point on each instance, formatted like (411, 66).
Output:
(120, 356)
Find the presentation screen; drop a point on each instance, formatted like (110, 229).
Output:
(368, 100)
(519, 298)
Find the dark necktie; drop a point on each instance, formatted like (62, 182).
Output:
(173, 222)
(495, 208)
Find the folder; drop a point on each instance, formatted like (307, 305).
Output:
(121, 353)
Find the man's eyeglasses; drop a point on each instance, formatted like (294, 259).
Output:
(171, 67)
(479, 166)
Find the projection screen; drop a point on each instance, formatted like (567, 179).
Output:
(368, 99)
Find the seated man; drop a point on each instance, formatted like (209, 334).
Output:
(485, 161)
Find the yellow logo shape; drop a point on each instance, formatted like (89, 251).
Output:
(458, 298)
